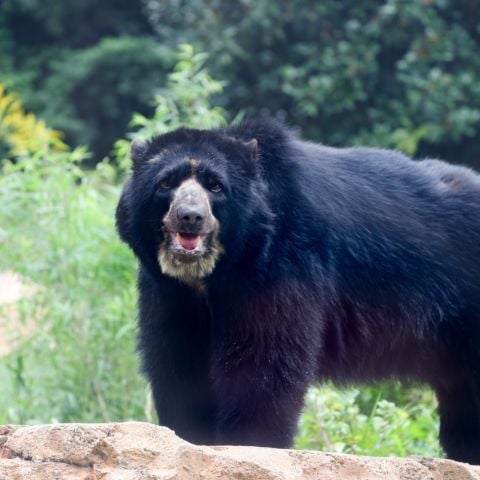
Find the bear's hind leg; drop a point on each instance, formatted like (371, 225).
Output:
(459, 408)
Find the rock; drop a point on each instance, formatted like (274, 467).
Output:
(141, 451)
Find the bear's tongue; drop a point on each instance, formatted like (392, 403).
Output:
(188, 241)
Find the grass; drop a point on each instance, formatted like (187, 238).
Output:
(58, 230)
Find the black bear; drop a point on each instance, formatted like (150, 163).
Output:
(268, 263)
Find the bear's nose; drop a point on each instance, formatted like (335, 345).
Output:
(191, 214)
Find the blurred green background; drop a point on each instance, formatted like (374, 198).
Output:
(78, 80)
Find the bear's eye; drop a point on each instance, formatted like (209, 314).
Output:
(216, 187)
(165, 184)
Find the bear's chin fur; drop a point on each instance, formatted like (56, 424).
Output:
(191, 271)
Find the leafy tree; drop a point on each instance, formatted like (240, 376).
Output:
(185, 101)
(83, 66)
(92, 93)
(36, 24)
(389, 73)
(392, 73)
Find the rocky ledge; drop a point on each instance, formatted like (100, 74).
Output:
(141, 451)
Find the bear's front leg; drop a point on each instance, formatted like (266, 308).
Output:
(259, 394)
(174, 340)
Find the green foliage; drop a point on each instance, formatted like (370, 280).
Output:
(186, 101)
(84, 67)
(341, 421)
(22, 133)
(391, 73)
(58, 229)
(40, 24)
(92, 93)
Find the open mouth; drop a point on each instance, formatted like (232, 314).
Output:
(190, 244)
(189, 256)
(188, 241)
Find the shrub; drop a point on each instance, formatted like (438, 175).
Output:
(186, 101)
(22, 133)
(57, 229)
(342, 421)
(92, 93)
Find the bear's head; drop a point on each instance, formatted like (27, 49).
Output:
(194, 197)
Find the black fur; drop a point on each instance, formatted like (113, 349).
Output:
(354, 265)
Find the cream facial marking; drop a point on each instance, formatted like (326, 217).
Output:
(189, 192)
(191, 247)
(158, 157)
(194, 164)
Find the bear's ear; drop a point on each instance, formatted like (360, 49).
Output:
(138, 150)
(252, 146)
(251, 156)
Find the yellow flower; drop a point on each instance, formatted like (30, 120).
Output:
(23, 132)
